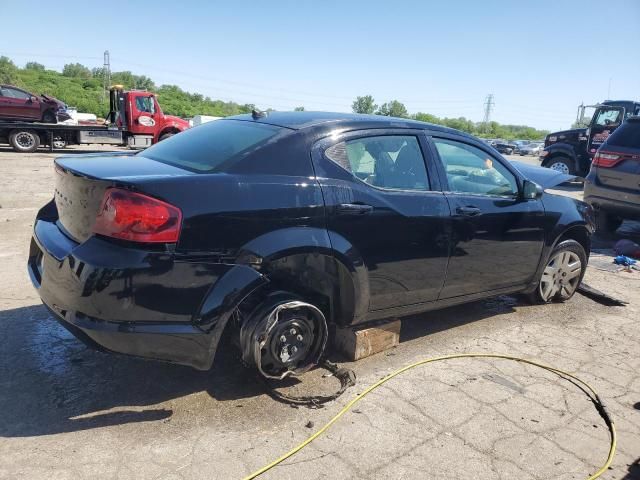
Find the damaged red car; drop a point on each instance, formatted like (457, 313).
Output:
(18, 104)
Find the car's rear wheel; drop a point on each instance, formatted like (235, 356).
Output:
(24, 141)
(284, 336)
(562, 165)
(59, 142)
(562, 274)
(49, 117)
(606, 222)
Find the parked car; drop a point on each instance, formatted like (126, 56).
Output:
(18, 104)
(531, 149)
(612, 185)
(275, 228)
(519, 144)
(506, 148)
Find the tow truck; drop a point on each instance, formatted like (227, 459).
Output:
(135, 120)
(571, 151)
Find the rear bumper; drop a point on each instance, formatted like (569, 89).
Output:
(136, 302)
(622, 204)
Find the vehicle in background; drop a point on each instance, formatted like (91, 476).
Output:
(571, 151)
(612, 186)
(200, 119)
(519, 144)
(256, 230)
(18, 104)
(135, 119)
(505, 148)
(533, 148)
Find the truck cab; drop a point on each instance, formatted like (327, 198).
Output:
(139, 114)
(571, 151)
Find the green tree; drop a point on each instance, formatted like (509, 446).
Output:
(8, 71)
(76, 70)
(298, 109)
(364, 104)
(394, 108)
(34, 66)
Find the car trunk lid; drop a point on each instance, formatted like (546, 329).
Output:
(625, 173)
(81, 181)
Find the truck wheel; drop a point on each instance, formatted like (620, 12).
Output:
(562, 273)
(607, 223)
(24, 141)
(165, 136)
(59, 142)
(562, 164)
(49, 117)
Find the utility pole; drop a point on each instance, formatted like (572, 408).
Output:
(488, 106)
(106, 74)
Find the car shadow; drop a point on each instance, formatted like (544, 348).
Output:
(65, 151)
(52, 383)
(629, 230)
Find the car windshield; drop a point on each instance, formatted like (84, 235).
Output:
(212, 147)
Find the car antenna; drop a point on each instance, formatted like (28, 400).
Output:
(256, 114)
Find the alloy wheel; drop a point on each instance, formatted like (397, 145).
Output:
(561, 276)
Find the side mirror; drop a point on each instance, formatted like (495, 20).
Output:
(531, 190)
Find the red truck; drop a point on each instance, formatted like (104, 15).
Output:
(135, 120)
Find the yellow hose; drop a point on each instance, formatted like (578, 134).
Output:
(596, 399)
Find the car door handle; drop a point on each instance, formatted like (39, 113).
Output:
(468, 211)
(354, 209)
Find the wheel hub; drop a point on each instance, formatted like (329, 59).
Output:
(25, 140)
(561, 276)
(560, 167)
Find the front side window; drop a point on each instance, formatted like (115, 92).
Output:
(609, 117)
(145, 104)
(471, 170)
(13, 93)
(386, 161)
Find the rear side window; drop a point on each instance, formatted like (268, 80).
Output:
(628, 135)
(213, 147)
(389, 161)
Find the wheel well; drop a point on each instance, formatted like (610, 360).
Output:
(580, 235)
(168, 130)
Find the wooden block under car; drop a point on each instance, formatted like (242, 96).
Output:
(360, 342)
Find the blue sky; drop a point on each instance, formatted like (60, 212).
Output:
(539, 58)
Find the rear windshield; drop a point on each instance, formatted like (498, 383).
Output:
(627, 135)
(212, 147)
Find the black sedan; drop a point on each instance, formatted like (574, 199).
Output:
(273, 228)
(506, 148)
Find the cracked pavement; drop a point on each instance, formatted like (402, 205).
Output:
(68, 412)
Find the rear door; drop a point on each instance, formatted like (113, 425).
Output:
(497, 237)
(384, 206)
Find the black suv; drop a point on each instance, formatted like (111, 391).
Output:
(613, 184)
(275, 228)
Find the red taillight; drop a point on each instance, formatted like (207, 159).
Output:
(606, 159)
(136, 217)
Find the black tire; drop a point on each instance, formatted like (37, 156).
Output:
(49, 117)
(606, 222)
(509, 151)
(165, 136)
(24, 141)
(561, 164)
(558, 272)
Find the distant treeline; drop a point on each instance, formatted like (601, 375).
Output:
(81, 87)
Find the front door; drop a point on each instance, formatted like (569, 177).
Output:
(382, 203)
(143, 113)
(497, 237)
(605, 120)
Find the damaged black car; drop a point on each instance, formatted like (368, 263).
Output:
(274, 228)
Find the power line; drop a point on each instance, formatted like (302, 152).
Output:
(488, 105)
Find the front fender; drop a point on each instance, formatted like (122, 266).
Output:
(556, 149)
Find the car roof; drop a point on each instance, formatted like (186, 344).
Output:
(304, 120)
